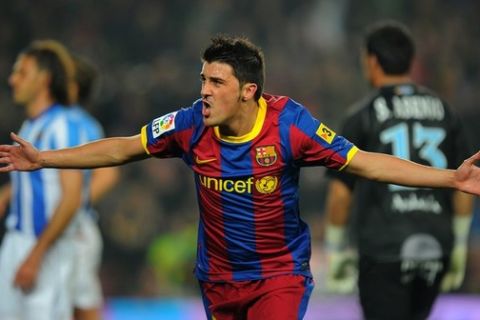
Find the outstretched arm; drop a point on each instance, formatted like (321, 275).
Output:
(101, 153)
(386, 168)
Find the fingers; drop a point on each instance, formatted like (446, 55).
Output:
(4, 157)
(17, 139)
(4, 148)
(452, 281)
(25, 284)
(473, 158)
(5, 163)
(5, 169)
(3, 154)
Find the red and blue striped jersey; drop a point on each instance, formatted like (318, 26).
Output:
(247, 187)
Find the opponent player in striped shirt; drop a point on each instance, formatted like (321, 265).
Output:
(246, 149)
(37, 256)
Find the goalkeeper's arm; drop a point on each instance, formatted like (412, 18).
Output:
(341, 273)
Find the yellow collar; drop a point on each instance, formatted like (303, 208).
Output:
(262, 111)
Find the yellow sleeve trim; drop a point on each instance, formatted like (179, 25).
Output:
(143, 135)
(351, 153)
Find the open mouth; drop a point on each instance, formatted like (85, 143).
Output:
(206, 108)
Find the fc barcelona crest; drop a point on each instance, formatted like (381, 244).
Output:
(266, 155)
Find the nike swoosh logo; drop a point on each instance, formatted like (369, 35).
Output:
(203, 161)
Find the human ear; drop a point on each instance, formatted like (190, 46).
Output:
(248, 91)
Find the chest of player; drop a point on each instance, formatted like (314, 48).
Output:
(221, 158)
(240, 167)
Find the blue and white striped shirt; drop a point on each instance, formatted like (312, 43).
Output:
(36, 194)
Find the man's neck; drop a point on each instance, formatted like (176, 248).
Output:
(38, 106)
(387, 80)
(244, 121)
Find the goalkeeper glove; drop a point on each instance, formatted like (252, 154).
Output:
(341, 262)
(458, 260)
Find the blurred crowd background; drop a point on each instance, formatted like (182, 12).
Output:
(147, 53)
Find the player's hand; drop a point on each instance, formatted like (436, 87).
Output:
(27, 273)
(21, 157)
(342, 271)
(453, 279)
(467, 176)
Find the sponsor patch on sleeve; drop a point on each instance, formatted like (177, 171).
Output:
(326, 133)
(163, 124)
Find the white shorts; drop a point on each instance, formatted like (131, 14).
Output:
(50, 299)
(87, 292)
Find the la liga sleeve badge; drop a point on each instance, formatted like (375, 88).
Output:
(163, 124)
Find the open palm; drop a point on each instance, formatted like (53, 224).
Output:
(467, 176)
(22, 156)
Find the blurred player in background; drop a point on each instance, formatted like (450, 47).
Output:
(87, 294)
(246, 149)
(37, 252)
(408, 239)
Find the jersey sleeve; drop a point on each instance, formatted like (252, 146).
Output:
(316, 144)
(352, 128)
(169, 135)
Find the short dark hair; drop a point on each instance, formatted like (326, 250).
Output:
(243, 56)
(53, 57)
(85, 77)
(392, 44)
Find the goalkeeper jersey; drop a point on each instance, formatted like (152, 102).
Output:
(391, 222)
